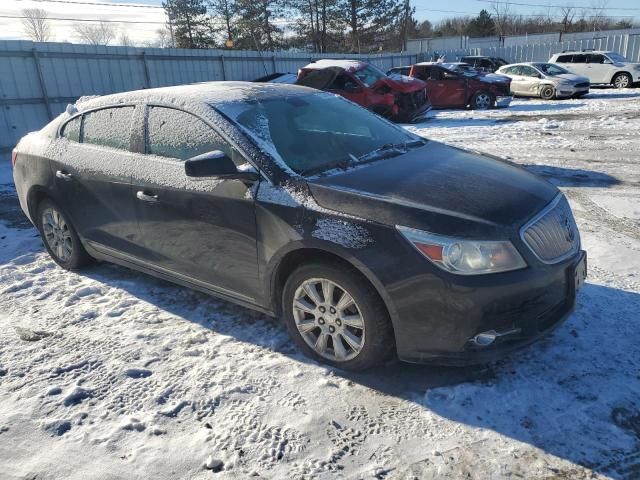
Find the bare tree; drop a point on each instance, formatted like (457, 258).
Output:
(502, 17)
(36, 25)
(567, 14)
(125, 40)
(101, 33)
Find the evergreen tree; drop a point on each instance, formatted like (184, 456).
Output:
(482, 26)
(192, 28)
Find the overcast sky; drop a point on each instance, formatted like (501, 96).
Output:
(11, 28)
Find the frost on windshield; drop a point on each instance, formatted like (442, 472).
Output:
(342, 232)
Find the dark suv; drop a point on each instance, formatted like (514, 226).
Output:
(366, 239)
(484, 64)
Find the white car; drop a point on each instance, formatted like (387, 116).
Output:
(544, 80)
(600, 67)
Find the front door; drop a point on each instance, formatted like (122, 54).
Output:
(526, 81)
(203, 229)
(92, 169)
(599, 71)
(445, 88)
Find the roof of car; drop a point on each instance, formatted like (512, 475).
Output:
(203, 93)
(581, 52)
(349, 65)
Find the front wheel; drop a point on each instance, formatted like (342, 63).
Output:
(59, 237)
(482, 101)
(622, 80)
(547, 92)
(335, 316)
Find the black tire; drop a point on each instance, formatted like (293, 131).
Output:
(483, 100)
(622, 80)
(547, 92)
(378, 333)
(78, 255)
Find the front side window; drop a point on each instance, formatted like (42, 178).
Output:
(529, 72)
(71, 130)
(551, 69)
(308, 132)
(109, 127)
(177, 134)
(369, 75)
(596, 58)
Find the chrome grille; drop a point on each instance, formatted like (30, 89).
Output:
(552, 235)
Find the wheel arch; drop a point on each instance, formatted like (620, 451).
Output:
(36, 195)
(613, 77)
(289, 260)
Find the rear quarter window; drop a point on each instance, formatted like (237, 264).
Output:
(109, 127)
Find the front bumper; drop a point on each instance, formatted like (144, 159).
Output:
(503, 101)
(520, 308)
(570, 90)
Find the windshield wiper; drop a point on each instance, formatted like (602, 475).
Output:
(391, 148)
(344, 164)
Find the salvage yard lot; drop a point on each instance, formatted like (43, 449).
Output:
(109, 373)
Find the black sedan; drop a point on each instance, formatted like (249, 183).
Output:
(367, 240)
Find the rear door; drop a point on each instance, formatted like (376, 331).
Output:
(579, 64)
(529, 80)
(200, 229)
(92, 171)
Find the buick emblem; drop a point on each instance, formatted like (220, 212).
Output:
(570, 235)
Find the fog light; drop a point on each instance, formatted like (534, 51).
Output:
(484, 339)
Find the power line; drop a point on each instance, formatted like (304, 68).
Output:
(509, 2)
(101, 4)
(519, 14)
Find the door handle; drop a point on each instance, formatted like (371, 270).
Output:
(62, 175)
(145, 197)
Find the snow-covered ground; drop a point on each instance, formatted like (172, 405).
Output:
(109, 373)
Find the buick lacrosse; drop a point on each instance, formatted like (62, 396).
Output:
(367, 240)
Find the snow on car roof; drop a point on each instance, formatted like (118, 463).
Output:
(203, 93)
(349, 65)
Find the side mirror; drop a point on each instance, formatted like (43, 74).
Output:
(216, 164)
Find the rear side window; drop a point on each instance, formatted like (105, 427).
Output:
(109, 127)
(579, 59)
(71, 130)
(564, 59)
(177, 134)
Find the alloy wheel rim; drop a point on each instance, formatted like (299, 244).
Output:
(329, 319)
(547, 92)
(57, 234)
(483, 101)
(621, 81)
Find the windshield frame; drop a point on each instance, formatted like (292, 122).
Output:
(369, 67)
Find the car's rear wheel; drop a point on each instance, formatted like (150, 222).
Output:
(482, 101)
(335, 316)
(59, 237)
(622, 80)
(547, 92)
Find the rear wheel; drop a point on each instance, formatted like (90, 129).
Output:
(547, 92)
(482, 101)
(622, 80)
(335, 316)
(59, 237)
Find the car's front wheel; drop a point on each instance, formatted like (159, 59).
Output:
(622, 80)
(59, 237)
(547, 92)
(482, 101)
(336, 317)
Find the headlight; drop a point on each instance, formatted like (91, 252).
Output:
(464, 257)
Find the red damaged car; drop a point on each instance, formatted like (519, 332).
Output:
(403, 99)
(454, 85)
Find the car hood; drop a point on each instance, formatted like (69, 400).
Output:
(568, 76)
(403, 84)
(440, 189)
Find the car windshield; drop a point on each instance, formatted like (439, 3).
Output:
(461, 68)
(313, 132)
(616, 57)
(550, 68)
(369, 75)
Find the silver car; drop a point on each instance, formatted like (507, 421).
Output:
(544, 80)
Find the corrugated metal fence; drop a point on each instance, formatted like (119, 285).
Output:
(627, 45)
(38, 80)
